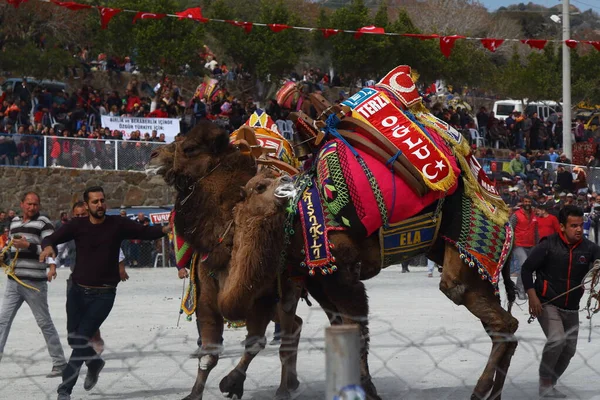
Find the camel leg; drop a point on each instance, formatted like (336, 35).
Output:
(463, 286)
(316, 291)
(291, 326)
(257, 319)
(349, 296)
(211, 322)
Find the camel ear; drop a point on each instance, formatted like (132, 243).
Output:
(243, 192)
(221, 143)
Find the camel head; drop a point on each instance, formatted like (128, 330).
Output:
(257, 245)
(193, 157)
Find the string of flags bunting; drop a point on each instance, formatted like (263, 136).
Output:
(446, 42)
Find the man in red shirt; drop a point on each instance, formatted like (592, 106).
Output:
(525, 225)
(547, 223)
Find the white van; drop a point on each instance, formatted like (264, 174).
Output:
(503, 108)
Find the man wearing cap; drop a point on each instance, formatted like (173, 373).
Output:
(570, 199)
(524, 223)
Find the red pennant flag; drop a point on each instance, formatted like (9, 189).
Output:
(247, 26)
(16, 3)
(571, 43)
(147, 15)
(327, 32)
(192, 13)
(594, 43)
(535, 43)
(374, 30)
(421, 36)
(278, 27)
(447, 44)
(106, 15)
(492, 44)
(71, 5)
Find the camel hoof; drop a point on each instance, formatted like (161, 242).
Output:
(283, 395)
(370, 390)
(192, 397)
(293, 383)
(233, 384)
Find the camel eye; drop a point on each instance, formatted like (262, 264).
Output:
(261, 187)
(190, 150)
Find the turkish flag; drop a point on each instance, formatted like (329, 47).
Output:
(147, 15)
(327, 32)
(374, 30)
(16, 3)
(535, 43)
(571, 43)
(278, 27)
(192, 13)
(71, 5)
(594, 43)
(492, 44)
(247, 26)
(106, 15)
(421, 36)
(447, 44)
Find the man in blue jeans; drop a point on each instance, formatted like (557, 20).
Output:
(95, 278)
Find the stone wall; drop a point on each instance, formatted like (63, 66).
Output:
(59, 188)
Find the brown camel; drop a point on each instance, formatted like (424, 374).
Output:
(207, 173)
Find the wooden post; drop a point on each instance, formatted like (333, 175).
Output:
(342, 359)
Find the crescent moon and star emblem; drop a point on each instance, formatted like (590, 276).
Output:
(405, 86)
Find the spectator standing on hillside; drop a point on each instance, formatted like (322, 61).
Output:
(482, 121)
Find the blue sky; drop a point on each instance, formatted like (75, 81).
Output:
(495, 4)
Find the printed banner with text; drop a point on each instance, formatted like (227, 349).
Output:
(168, 126)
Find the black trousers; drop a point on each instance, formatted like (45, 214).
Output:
(86, 311)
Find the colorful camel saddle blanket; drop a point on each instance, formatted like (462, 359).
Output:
(482, 243)
(363, 194)
(411, 139)
(289, 95)
(316, 224)
(404, 240)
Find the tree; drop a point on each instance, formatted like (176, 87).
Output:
(35, 38)
(261, 52)
(167, 44)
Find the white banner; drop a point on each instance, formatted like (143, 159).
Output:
(168, 126)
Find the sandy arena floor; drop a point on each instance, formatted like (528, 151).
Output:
(422, 347)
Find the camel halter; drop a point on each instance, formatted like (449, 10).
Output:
(192, 187)
(10, 269)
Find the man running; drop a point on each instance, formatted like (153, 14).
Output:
(95, 278)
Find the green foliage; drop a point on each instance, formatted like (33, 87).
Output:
(538, 77)
(26, 59)
(165, 44)
(585, 77)
(261, 52)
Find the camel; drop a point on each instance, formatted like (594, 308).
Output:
(207, 172)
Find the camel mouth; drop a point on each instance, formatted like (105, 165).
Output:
(152, 170)
(286, 191)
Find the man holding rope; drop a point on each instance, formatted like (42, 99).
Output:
(560, 262)
(29, 283)
(95, 278)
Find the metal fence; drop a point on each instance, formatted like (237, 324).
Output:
(422, 347)
(53, 151)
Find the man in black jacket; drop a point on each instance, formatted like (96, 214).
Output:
(560, 262)
(95, 277)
